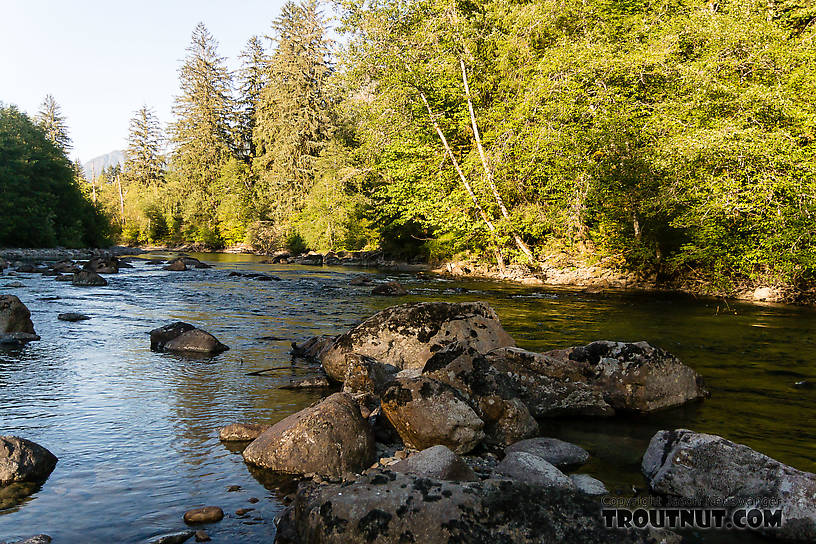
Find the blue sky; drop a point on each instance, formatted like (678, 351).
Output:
(103, 60)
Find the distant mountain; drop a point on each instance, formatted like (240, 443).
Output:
(96, 165)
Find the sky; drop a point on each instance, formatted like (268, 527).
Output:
(103, 60)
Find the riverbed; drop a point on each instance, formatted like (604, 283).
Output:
(136, 431)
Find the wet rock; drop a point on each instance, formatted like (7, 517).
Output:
(533, 470)
(66, 267)
(14, 285)
(64, 277)
(72, 316)
(361, 280)
(88, 278)
(155, 262)
(16, 339)
(309, 383)
(206, 514)
(175, 538)
(330, 438)
(265, 277)
(176, 266)
(241, 432)
(636, 377)
(3, 264)
(309, 259)
(437, 462)
(37, 539)
(704, 468)
(589, 485)
(22, 460)
(243, 511)
(184, 338)
(253, 500)
(390, 289)
(233, 488)
(312, 348)
(406, 336)
(105, 264)
(559, 453)
(14, 316)
(427, 413)
(202, 536)
(391, 508)
(367, 375)
(26, 269)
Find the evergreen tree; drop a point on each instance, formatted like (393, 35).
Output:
(200, 135)
(252, 80)
(144, 163)
(51, 120)
(293, 114)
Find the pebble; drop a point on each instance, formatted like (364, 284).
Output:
(253, 500)
(243, 511)
(234, 488)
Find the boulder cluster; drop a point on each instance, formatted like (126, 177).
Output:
(444, 389)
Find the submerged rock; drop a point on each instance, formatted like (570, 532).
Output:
(37, 539)
(312, 348)
(559, 453)
(427, 413)
(436, 462)
(175, 538)
(330, 438)
(105, 264)
(406, 336)
(185, 338)
(88, 278)
(391, 508)
(72, 316)
(318, 382)
(176, 266)
(241, 432)
(714, 471)
(24, 461)
(390, 289)
(205, 514)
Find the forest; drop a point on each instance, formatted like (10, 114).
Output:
(672, 137)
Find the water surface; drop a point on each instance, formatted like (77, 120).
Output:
(136, 431)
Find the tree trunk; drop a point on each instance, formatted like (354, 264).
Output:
(465, 183)
(488, 174)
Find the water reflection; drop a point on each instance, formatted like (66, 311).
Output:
(136, 431)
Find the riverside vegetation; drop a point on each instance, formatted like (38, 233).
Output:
(674, 139)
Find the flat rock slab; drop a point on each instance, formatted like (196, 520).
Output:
(557, 452)
(205, 514)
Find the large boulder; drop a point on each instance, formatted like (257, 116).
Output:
(712, 471)
(24, 461)
(185, 338)
(636, 377)
(406, 336)
(390, 508)
(599, 379)
(436, 462)
(88, 278)
(367, 375)
(329, 439)
(426, 413)
(312, 348)
(532, 469)
(14, 316)
(104, 264)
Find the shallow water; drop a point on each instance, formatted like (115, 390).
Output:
(136, 431)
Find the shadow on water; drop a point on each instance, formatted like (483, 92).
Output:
(136, 431)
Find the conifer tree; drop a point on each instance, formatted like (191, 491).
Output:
(252, 80)
(144, 163)
(51, 120)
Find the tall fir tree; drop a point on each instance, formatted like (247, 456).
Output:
(293, 122)
(253, 77)
(200, 135)
(51, 120)
(144, 163)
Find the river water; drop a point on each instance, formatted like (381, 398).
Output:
(136, 431)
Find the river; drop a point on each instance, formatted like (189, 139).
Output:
(136, 431)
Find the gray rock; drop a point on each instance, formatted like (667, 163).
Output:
(437, 462)
(406, 336)
(427, 413)
(330, 438)
(557, 452)
(589, 485)
(241, 432)
(533, 470)
(73, 317)
(390, 508)
(88, 278)
(704, 467)
(24, 461)
(185, 338)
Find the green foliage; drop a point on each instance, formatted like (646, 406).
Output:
(41, 202)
